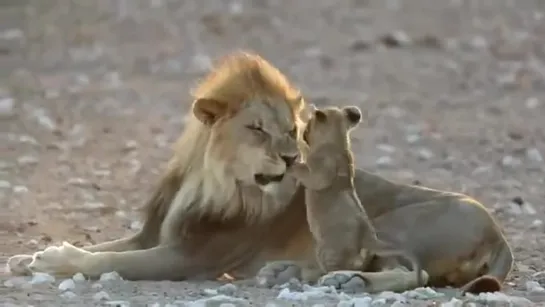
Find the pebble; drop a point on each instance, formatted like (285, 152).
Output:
(136, 225)
(386, 148)
(227, 289)
(359, 302)
(454, 302)
(40, 278)
(315, 293)
(534, 286)
(4, 184)
(384, 161)
(7, 106)
(15, 282)
(412, 138)
(210, 292)
(101, 296)
(78, 277)
(501, 297)
(118, 303)
(68, 295)
(20, 189)
(423, 293)
(392, 296)
(532, 103)
(219, 299)
(534, 155)
(110, 276)
(27, 160)
(425, 154)
(97, 286)
(67, 284)
(510, 161)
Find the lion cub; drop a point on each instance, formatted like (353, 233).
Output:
(342, 230)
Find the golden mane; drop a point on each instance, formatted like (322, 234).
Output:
(194, 186)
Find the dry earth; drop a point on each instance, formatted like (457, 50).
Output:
(92, 95)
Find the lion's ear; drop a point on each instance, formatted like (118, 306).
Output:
(208, 111)
(353, 115)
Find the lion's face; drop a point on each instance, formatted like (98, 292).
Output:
(257, 142)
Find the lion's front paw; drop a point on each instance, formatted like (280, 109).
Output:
(18, 265)
(59, 260)
(347, 281)
(277, 273)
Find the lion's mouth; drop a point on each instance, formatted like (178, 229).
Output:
(263, 179)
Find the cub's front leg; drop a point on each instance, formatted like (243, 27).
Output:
(314, 178)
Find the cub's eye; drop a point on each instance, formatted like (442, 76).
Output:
(255, 128)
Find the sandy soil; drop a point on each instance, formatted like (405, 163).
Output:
(92, 95)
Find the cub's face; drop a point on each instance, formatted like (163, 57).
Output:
(258, 141)
(331, 124)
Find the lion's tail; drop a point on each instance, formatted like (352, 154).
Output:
(499, 268)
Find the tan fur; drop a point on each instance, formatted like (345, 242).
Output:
(338, 222)
(208, 216)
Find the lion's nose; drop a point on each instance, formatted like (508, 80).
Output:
(289, 160)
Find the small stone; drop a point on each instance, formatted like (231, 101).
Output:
(94, 205)
(510, 161)
(392, 296)
(131, 145)
(41, 278)
(101, 296)
(210, 292)
(117, 303)
(425, 154)
(537, 224)
(386, 148)
(79, 182)
(384, 161)
(227, 305)
(395, 39)
(15, 282)
(68, 295)
(20, 189)
(136, 225)
(220, 299)
(478, 42)
(454, 302)
(532, 103)
(110, 276)
(228, 289)
(27, 160)
(534, 155)
(78, 277)
(7, 107)
(423, 293)
(412, 138)
(67, 284)
(97, 286)
(534, 286)
(4, 184)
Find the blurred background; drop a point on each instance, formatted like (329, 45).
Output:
(92, 94)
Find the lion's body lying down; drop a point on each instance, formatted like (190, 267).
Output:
(224, 206)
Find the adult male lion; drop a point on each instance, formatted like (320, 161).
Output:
(224, 204)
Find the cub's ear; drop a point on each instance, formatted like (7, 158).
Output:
(208, 111)
(353, 115)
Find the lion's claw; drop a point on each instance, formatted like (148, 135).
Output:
(277, 273)
(59, 260)
(347, 281)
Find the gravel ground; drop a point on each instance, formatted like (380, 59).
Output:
(453, 90)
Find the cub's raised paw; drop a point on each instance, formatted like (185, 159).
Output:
(278, 273)
(347, 281)
(18, 265)
(64, 260)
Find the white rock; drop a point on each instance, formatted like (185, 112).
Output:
(425, 154)
(478, 42)
(235, 7)
(345, 303)
(510, 161)
(532, 103)
(136, 225)
(117, 303)
(202, 62)
(27, 160)
(454, 302)
(227, 305)
(528, 208)
(4, 184)
(412, 138)
(68, 295)
(41, 278)
(43, 119)
(20, 189)
(534, 286)
(536, 224)
(386, 148)
(363, 301)
(316, 293)
(534, 155)
(384, 161)
(15, 282)
(318, 305)
(101, 296)
(218, 299)
(94, 205)
(501, 297)
(67, 284)
(210, 292)
(79, 182)
(78, 277)
(423, 293)
(97, 286)
(110, 276)
(228, 289)
(131, 145)
(392, 296)
(10, 34)
(7, 107)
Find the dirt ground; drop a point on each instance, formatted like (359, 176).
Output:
(92, 95)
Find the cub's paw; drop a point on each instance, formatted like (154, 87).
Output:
(59, 260)
(278, 273)
(347, 281)
(18, 265)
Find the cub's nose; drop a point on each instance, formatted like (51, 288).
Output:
(289, 160)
